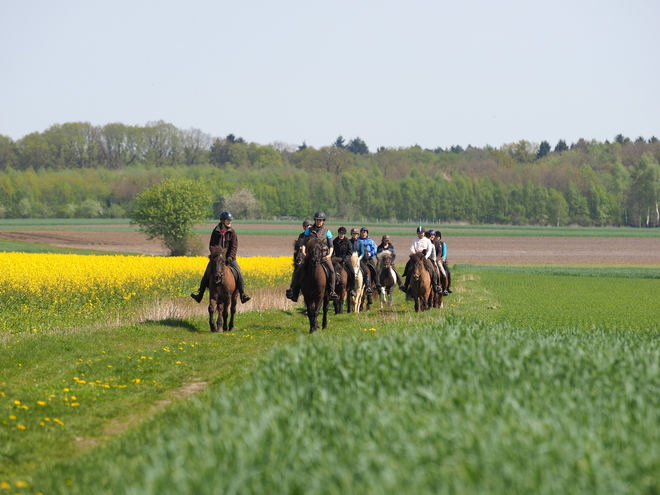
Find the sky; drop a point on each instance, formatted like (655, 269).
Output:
(433, 73)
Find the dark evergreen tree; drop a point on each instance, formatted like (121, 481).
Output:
(302, 146)
(544, 149)
(561, 146)
(357, 146)
(339, 142)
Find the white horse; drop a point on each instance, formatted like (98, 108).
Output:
(354, 302)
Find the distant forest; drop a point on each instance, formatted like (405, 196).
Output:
(77, 170)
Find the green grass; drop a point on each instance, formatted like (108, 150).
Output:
(554, 391)
(31, 247)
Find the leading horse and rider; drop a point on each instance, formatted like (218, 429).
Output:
(319, 231)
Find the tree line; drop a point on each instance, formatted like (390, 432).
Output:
(79, 170)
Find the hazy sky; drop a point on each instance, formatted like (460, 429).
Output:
(395, 73)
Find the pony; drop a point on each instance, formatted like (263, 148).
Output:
(341, 285)
(355, 302)
(314, 282)
(387, 276)
(223, 291)
(420, 288)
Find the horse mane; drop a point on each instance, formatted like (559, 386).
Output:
(216, 251)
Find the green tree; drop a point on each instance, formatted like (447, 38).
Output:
(561, 146)
(169, 211)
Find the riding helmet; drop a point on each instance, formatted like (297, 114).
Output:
(307, 223)
(364, 229)
(319, 215)
(385, 238)
(341, 230)
(354, 231)
(420, 229)
(430, 232)
(225, 215)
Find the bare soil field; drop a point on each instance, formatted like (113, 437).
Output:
(473, 250)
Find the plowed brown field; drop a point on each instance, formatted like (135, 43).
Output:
(474, 250)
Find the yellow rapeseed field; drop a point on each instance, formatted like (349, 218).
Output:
(36, 287)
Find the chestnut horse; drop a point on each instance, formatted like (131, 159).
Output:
(223, 292)
(314, 282)
(420, 289)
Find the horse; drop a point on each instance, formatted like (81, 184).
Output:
(387, 276)
(314, 282)
(223, 291)
(437, 301)
(420, 287)
(341, 285)
(355, 302)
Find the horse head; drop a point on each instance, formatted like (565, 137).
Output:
(355, 260)
(383, 260)
(298, 256)
(218, 262)
(315, 250)
(418, 267)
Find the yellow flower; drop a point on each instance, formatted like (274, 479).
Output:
(41, 402)
(66, 390)
(17, 402)
(5, 486)
(21, 427)
(12, 417)
(21, 484)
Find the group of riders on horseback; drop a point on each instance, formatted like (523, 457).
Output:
(340, 249)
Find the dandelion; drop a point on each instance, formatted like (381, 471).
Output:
(17, 402)
(21, 427)
(5, 486)
(41, 402)
(12, 417)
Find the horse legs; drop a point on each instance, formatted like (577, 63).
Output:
(313, 315)
(213, 308)
(325, 313)
(234, 298)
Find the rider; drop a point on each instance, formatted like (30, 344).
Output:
(441, 249)
(386, 245)
(223, 235)
(370, 250)
(343, 250)
(430, 234)
(358, 246)
(320, 231)
(422, 245)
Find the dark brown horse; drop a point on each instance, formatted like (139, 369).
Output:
(420, 287)
(341, 285)
(223, 292)
(314, 282)
(387, 276)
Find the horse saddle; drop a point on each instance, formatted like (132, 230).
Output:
(233, 271)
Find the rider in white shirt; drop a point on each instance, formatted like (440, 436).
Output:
(423, 244)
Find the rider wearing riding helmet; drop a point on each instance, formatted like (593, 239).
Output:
(224, 235)
(320, 231)
(386, 245)
(370, 250)
(435, 257)
(422, 244)
(343, 250)
(441, 249)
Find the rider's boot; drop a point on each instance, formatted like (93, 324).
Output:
(292, 293)
(199, 296)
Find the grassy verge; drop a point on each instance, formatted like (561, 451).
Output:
(458, 400)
